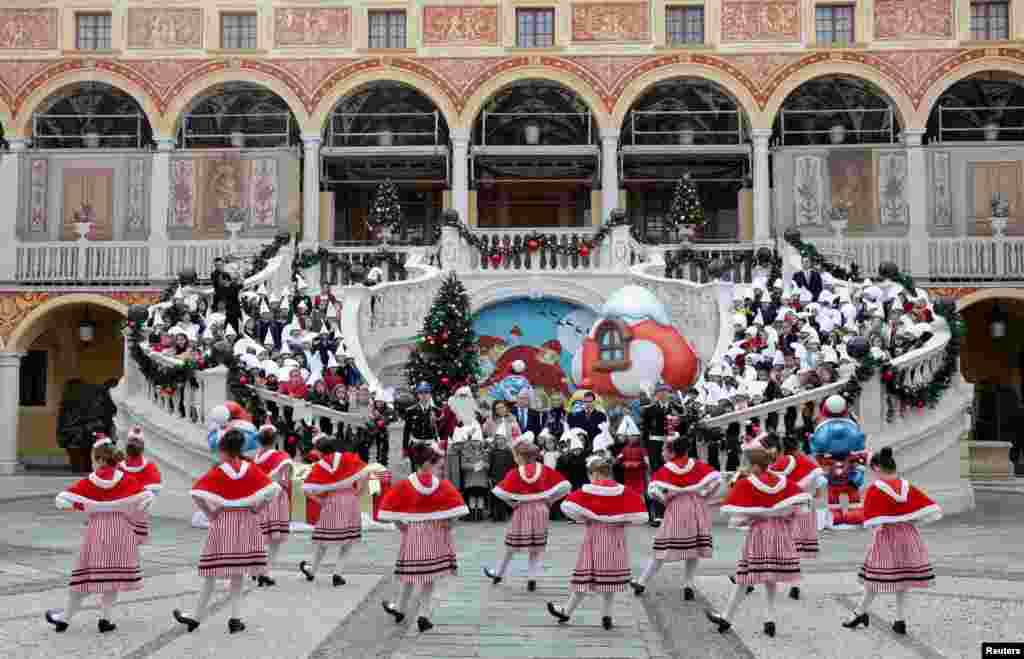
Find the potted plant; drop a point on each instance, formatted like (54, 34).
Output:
(531, 133)
(1000, 215)
(837, 134)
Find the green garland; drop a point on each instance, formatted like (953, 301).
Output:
(168, 378)
(310, 258)
(809, 251)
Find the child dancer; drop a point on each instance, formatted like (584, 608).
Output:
(423, 507)
(136, 465)
(530, 489)
(806, 473)
(231, 496)
(275, 517)
(683, 484)
(606, 507)
(336, 482)
(762, 502)
(897, 559)
(633, 457)
(108, 561)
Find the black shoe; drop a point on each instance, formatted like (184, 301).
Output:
(750, 589)
(337, 580)
(531, 585)
(769, 629)
(606, 622)
(688, 594)
(393, 612)
(304, 569)
(858, 620)
(638, 588)
(794, 593)
(58, 625)
(262, 581)
(105, 626)
(723, 624)
(900, 627)
(424, 624)
(553, 610)
(235, 625)
(191, 623)
(654, 523)
(492, 575)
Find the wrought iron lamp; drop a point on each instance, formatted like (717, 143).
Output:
(997, 322)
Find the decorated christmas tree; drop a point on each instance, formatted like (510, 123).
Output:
(446, 352)
(686, 209)
(385, 211)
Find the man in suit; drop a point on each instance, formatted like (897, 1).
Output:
(555, 417)
(528, 419)
(654, 432)
(589, 420)
(810, 279)
(421, 420)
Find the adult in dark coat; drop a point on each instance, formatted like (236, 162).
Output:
(589, 420)
(809, 278)
(529, 419)
(421, 420)
(653, 433)
(501, 462)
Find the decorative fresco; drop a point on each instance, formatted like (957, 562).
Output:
(460, 26)
(160, 28)
(774, 20)
(15, 306)
(942, 209)
(610, 22)
(88, 197)
(913, 19)
(851, 176)
(28, 29)
(892, 188)
(39, 177)
(809, 190)
(326, 26)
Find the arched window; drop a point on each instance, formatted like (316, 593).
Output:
(613, 339)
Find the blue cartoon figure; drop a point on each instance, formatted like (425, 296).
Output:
(838, 444)
(510, 386)
(231, 416)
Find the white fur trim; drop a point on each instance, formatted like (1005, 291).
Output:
(579, 513)
(333, 465)
(536, 476)
(604, 491)
(106, 484)
(711, 479)
(901, 496)
(67, 500)
(451, 513)
(679, 471)
(425, 490)
(788, 469)
(103, 442)
(781, 508)
(813, 481)
(287, 462)
(134, 470)
(155, 488)
(311, 488)
(557, 492)
(230, 471)
(765, 488)
(926, 515)
(265, 494)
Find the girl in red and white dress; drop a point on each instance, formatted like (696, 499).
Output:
(108, 562)
(423, 507)
(336, 482)
(529, 489)
(763, 503)
(683, 485)
(606, 507)
(275, 518)
(806, 473)
(136, 465)
(897, 559)
(231, 496)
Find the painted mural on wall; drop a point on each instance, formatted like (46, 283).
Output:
(610, 22)
(88, 198)
(775, 20)
(913, 19)
(330, 26)
(853, 184)
(150, 28)
(460, 26)
(28, 29)
(542, 333)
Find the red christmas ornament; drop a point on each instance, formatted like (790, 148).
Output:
(292, 440)
(584, 251)
(908, 307)
(887, 376)
(920, 404)
(533, 245)
(445, 380)
(243, 380)
(200, 363)
(381, 424)
(495, 259)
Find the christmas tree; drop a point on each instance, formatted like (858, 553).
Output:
(686, 209)
(385, 211)
(446, 352)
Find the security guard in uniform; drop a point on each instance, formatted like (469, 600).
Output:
(421, 420)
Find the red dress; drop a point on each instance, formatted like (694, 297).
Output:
(533, 487)
(635, 477)
(333, 481)
(684, 485)
(275, 517)
(149, 477)
(897, 559)
(109, 557)
(425, 508)
(606, 507)
(232, 496)
(809, 477)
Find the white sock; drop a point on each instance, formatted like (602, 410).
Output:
(652, 569)
(770, 591)
(534, 567)
(607, 600)
(690, 571)
(107, 604)
(204, 598)
(236, 596)
(739, 591)
(574, 601)
(404, 595)
(272, 551)
(318, 557)
(865, 602)
(73, 605)
(342, 553)
(901, 600)
(426, 599)
(506, 559)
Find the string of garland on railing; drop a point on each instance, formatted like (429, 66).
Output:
(309, 258)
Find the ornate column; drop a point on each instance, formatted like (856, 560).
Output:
(311, 189)
(917, 202)
(609, 173)
(762, 183)
(159, 207)
(10, 369)
(10, 186)
(460, 173)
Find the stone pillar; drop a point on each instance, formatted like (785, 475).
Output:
(10, 187)
(762, 185)
(10, 369)
(159, 208)
(311, 190)
(917, 202)
(609, 174)
(460, 173)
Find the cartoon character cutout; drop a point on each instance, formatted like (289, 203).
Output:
(838, 444)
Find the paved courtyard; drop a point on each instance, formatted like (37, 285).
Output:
(979, 597)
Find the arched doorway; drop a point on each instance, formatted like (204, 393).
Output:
(237, 115)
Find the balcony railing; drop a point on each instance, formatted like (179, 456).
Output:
(852, 132)
(121, 131)
(389, 129)
(969, 124)
(267, 130)
(678, 127)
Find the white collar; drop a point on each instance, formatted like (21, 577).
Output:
(536, 475)
(903, 494)
(679, 471)
(134, 470)
(262, 456)
(230, 471)
(604, 490)
(788, 469)
(335, 462)
(106, 484)
(425, 490)
(767, 489)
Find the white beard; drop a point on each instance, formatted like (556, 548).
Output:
(464, 408)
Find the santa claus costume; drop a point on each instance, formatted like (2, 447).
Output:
(275, 517)
(683, 484)
(146, 473)
(335, 483)
(108, 561)
(231, 495)
(422, 507)
(897, 559)
(530, 489)
(602, 566)
(763, 503)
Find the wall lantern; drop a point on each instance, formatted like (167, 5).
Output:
(997, 322)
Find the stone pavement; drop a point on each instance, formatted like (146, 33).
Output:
(979, 597)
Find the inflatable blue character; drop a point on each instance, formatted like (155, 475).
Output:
(510, 386)
(231, 416)
(838, 444)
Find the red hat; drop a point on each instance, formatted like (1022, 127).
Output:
(100, 438)
(834, 406)
(268, 425)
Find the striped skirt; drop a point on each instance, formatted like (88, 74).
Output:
(603, 562)
(769, 553)
(897, 560)
(140, 525)
(685, 532)
(340, 520)
(275, 518)
(109, 558)
(426, 553)
(528, 530)
(234, 545)
(804, 527)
